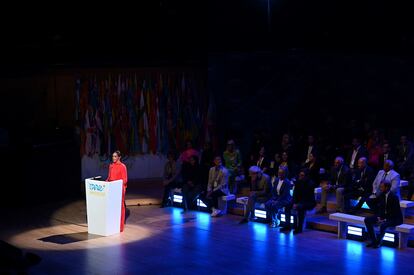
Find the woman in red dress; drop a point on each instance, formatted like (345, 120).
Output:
(118, 171)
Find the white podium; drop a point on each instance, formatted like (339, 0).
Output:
(103, 206)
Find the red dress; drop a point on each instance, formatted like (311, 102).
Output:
(118, 171)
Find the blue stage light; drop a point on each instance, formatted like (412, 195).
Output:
(200, 203)
(260, 213)
(178, 198)
(355, 231)
(283, 218)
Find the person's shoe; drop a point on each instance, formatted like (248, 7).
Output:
(297, 231)
(377, 245)
(285, 229)
(274, 224)
(218, 212)
(184, 211)
(253, 219)
(322, 210)
(213, 212)
(339, 210)
(371, 244)
(243, 221)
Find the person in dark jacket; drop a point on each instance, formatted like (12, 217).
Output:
(339, 183)
(303, 200)
(361, 184)
(192, 186)
(388, 215)
(280, 196)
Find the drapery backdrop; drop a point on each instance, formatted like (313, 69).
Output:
(141, 114)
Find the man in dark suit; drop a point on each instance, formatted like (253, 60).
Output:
(358, 151)
(387, 154)
(303, 200)
(405, 157)
(309, 148)
(362, 183)
(340, 179)
(262, 161)
(280, 196)
(388, 215)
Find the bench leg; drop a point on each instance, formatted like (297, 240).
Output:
(402, 240)
(342, 226)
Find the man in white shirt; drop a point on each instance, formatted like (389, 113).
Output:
(388, 174)
(280, 196)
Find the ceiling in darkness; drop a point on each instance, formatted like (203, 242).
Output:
(184, 32)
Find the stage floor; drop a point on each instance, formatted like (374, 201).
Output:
(164, 241)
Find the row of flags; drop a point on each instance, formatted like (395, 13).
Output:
(143, 114)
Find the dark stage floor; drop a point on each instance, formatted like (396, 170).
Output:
(163, 241)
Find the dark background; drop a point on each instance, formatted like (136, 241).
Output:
(312, 60)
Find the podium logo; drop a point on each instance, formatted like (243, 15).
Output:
(96, 187)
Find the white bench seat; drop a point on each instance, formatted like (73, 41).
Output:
(404, 230)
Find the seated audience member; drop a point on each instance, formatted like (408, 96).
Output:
(362, 183)
(388, 174)
(280, 197)
(192, 186)
(217, 185)
(286, 145)
(314, 169)
(206, 162)
(289, 166)
(188, 153)
(232, 162)
(405, 157)
(303, 200)
(340, 180)
(387, 154)
(259, 191)
(388, 215)
(358, 151)
(311, 147)
(374, 149)
(274, 165)
(170, 179)
(261, 160)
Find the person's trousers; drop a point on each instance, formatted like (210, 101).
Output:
(274, 206)
(189, 195)
(340, 201)
(251, 204)
(371, 221)
(214, 197)
(167, 191)
(301, 209)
